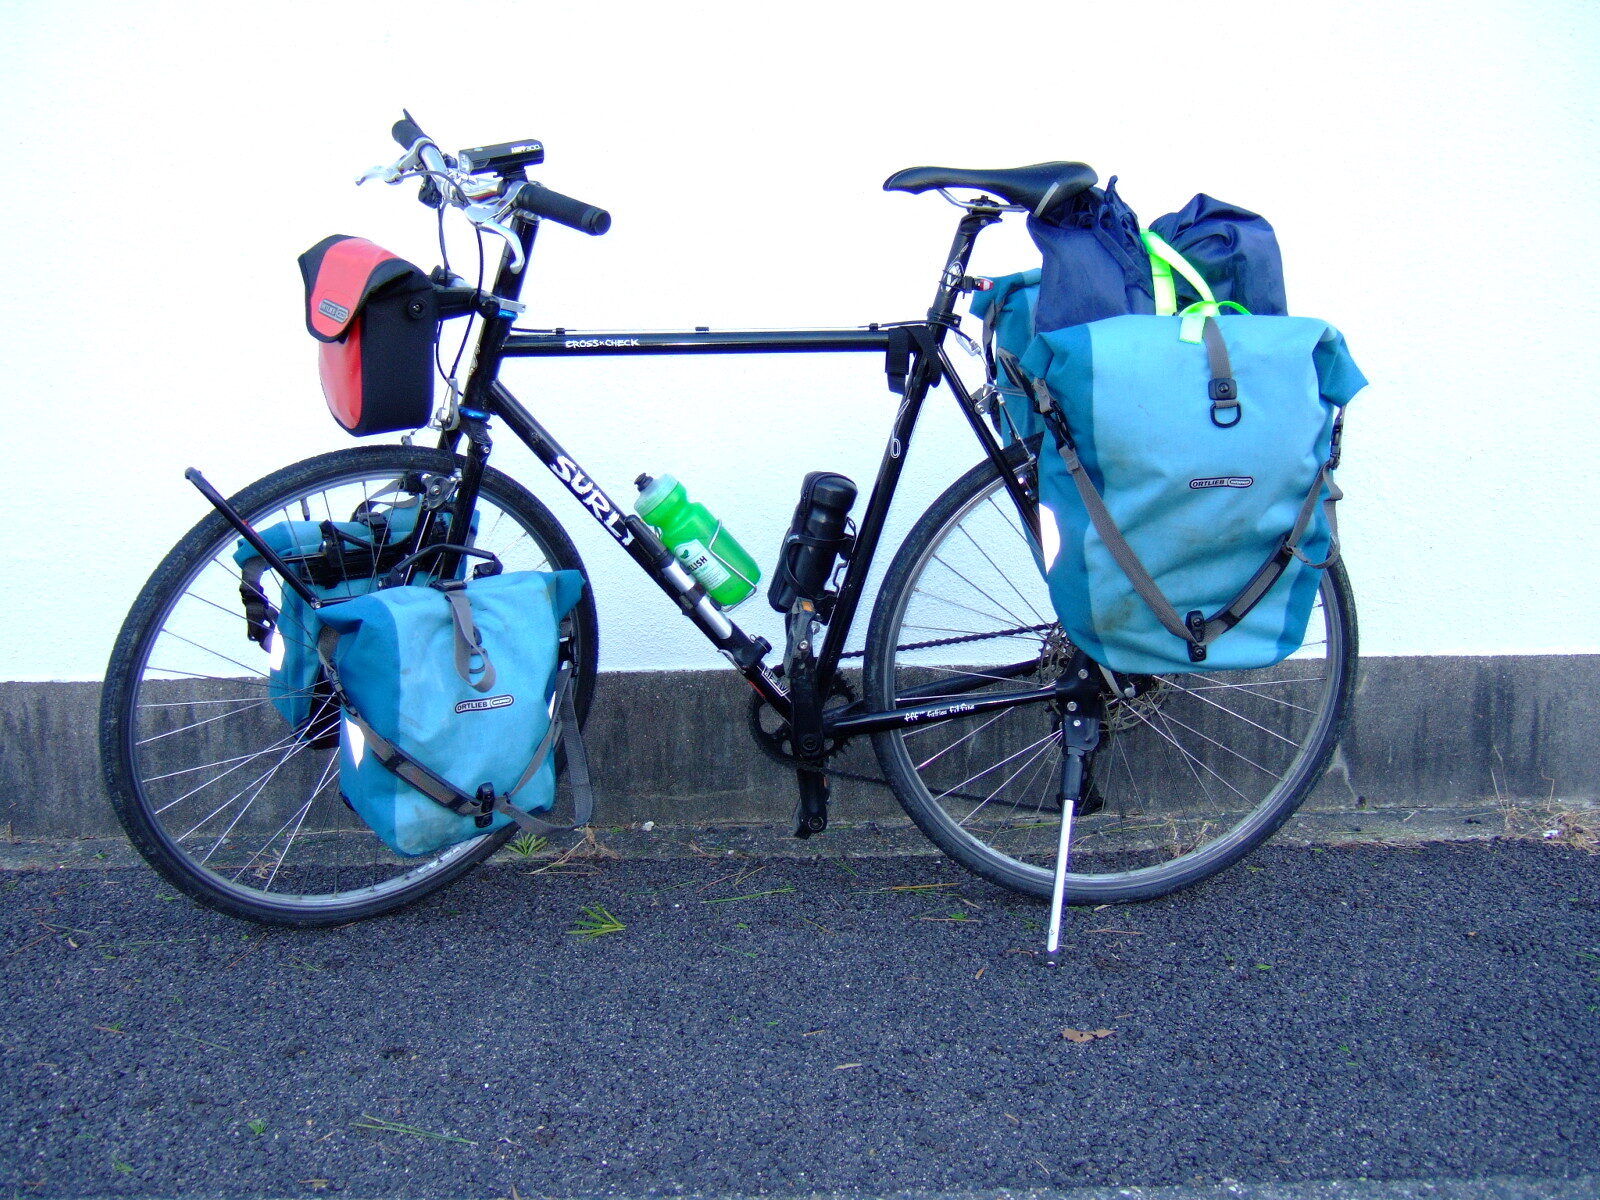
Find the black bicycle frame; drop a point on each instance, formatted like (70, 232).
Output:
(917, 362)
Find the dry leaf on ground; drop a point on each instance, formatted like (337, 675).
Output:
(1085, 1035)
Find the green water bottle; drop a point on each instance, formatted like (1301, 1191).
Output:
(698, 540)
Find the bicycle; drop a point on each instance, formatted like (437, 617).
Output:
(964, 683)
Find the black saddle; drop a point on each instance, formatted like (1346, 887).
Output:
(1041, 188)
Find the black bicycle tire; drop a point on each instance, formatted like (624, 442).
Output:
(154, 602)
(1175, 874)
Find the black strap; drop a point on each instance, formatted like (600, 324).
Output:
(897, 358)
(1224, 390)
(260, 617)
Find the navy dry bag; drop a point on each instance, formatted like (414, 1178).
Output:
(1235, 251)
(1094, 264)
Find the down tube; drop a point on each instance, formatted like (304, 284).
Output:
(642, 545)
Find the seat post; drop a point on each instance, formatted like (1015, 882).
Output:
(973, 223)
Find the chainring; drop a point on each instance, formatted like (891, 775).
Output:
(776, 742)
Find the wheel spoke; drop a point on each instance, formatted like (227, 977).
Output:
(993, 766)
(1207, 761)
(229, 799)
(964, 738)
(241, 762)
(989, 596)
(1044, 749)
(1223, 746)
(1026, 603)
(254, 671)
(207, 721)
(1238, 716)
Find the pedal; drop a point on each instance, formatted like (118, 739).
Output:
(811, 814)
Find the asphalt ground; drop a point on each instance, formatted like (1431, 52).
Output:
(1318, 1023)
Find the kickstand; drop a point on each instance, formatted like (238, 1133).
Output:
(1080, 734)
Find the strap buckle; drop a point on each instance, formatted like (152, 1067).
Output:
(486, 798)
(1224, 393)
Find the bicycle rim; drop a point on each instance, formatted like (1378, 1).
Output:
(229, 800)
(1190, 775)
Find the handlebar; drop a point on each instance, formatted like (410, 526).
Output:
(563, 210)
(407, 132)
(489, 198)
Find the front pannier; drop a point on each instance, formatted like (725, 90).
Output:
(453, 694)
(289, 634)
(377, 318)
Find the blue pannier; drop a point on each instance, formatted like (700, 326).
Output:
(1007, 312)
(1186, 518)
(294, 681)
(449, 688)
(291, 639)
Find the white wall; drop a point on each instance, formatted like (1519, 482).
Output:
(1430, 167)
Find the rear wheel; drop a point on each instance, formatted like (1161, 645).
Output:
(214, 786)
(1191, 774)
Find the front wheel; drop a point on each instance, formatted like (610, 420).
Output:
(227, 783)
(1191, 774)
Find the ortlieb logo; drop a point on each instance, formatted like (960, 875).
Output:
(337, 311)
(1238, 481)
(467, 706)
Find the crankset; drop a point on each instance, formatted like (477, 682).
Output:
(774, 735)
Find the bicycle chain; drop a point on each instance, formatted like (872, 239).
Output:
(768, 741)
(956, 641)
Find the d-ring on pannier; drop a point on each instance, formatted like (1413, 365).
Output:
(377, 318)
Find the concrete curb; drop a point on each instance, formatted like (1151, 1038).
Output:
(1427, 734)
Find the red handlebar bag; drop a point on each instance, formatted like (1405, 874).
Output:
(377, 319)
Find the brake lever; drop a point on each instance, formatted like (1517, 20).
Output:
(412, 160)
(488, 216)
(386, 173)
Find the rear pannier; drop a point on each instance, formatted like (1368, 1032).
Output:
(377, 318)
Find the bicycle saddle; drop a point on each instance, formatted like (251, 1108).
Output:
(1040, 188)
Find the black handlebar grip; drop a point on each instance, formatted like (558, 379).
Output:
(563, 210)
(407, 133)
